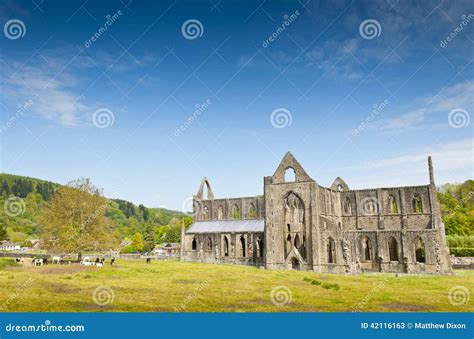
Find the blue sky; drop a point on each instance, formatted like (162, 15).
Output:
(363, 90)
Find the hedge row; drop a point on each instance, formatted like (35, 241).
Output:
(462, 251)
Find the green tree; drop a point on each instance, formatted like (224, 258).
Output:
(137, 242)
(3, 233)
(149, 244)
(74, 221)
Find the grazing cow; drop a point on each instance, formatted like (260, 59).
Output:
(45, 261)
(18, 259)
(112, 261)
(148, 260)
(56, 260)
(37, 262)
(102, 261)
(97, 260)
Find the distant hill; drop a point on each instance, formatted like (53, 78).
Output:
(35, 193)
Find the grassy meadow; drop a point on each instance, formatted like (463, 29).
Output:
(172, 286)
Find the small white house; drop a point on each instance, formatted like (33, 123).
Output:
(9, 246)
(169, 249)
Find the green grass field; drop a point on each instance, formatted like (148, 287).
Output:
(171, 286)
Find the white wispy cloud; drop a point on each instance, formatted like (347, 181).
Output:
(456, 96)
(453, 162)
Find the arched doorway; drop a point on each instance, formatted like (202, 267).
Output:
(295, 264)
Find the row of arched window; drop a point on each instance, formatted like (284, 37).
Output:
(392, 205)
(242, 247)
(367, 252)
(235, 212)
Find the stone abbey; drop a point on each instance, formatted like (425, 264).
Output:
(298, 224)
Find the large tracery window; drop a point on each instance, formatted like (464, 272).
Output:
(252, 213)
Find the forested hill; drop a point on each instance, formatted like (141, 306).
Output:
(128, 218)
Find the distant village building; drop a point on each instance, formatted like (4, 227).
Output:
(9, 246)
(298, 224)
(167, 249)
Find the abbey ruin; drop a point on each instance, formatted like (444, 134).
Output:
(298, 224)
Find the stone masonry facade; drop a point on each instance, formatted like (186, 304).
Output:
(298, 224)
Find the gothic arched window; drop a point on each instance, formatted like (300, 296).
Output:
(220, 213)
(331, 249)
(367, 249)
(209, 244)
(416, 202)
(205, 213)
(290, 175)
(393, 249)
(347, 206)
(194, 244)
(420, 251)
(392, 204)
(242, 246)
(252, 211)
(235, 212)
(259, 244)
(226, 246)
